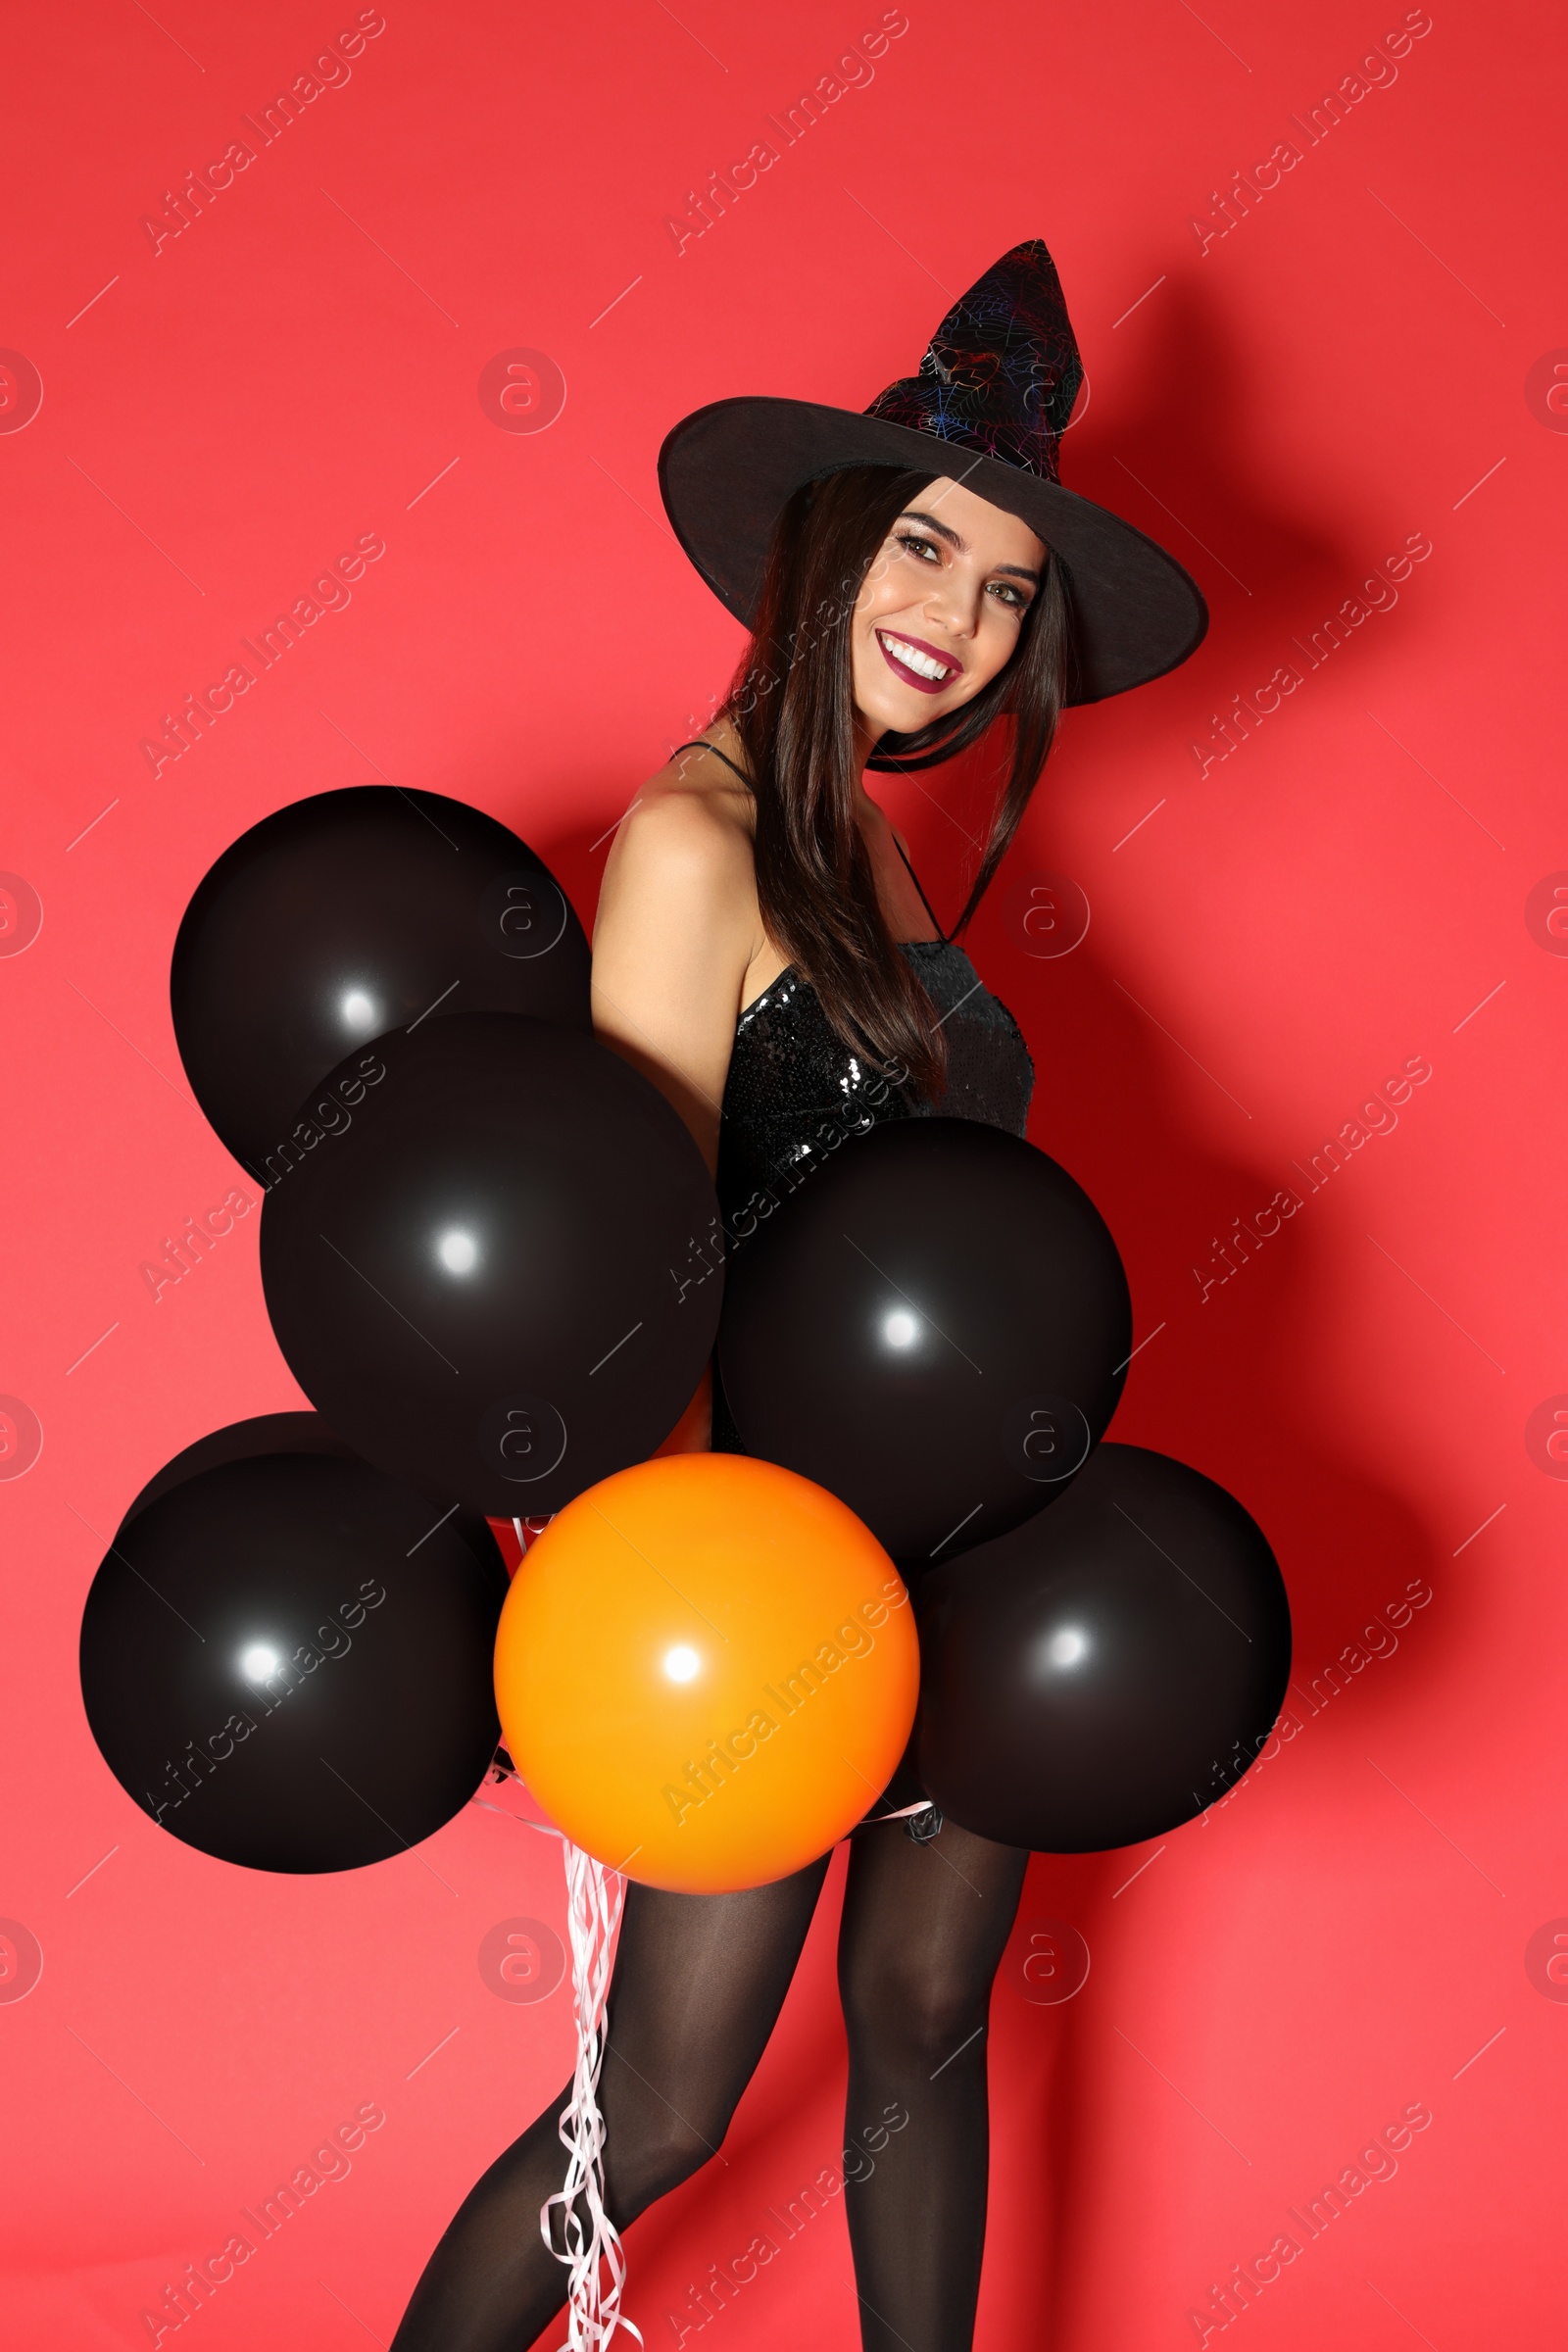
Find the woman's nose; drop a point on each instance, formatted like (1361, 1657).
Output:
(954, 608)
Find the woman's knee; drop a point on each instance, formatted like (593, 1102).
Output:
(647, 2156)
(657, 2130)
(913, 2010)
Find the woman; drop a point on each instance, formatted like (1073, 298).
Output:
(764, 953)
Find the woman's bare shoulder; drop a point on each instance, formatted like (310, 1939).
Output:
(689, 830)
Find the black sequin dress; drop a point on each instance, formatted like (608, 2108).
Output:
(796, 1093)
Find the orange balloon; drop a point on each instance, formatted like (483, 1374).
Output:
(707, 1671)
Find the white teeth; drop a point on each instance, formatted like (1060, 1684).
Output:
(912, 658)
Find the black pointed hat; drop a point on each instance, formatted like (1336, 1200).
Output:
(988, 408)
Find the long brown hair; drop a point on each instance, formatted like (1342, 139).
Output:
(791, 702)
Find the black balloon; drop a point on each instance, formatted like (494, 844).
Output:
(340, 917)
(501, 1282)
(1109, 1669)
(935, 1328)
(241, 1442)
(287, 1665)
(276, 1433)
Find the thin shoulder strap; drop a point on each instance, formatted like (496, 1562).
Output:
(915, 879)
(718, 754)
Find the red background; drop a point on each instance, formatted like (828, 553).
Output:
(1340, 370)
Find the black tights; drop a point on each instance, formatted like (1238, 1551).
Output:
(699, 1981)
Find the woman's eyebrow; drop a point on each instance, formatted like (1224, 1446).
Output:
(1016, 571)
(942, 531)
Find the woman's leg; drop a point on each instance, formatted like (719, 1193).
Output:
(699, 1981)
(925, 1927)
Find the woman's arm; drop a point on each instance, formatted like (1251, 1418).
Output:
(676, 931)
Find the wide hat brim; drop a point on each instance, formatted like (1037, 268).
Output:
(726, 471)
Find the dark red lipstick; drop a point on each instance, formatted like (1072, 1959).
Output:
(911, 677)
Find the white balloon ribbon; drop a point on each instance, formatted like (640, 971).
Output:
(595, 2260)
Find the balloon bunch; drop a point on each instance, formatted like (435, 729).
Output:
(937, 1327)
(492, 1259)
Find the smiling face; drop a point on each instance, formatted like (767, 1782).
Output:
(941, 607)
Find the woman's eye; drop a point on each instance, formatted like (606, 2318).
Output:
(918, 545)
(1010, 596)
